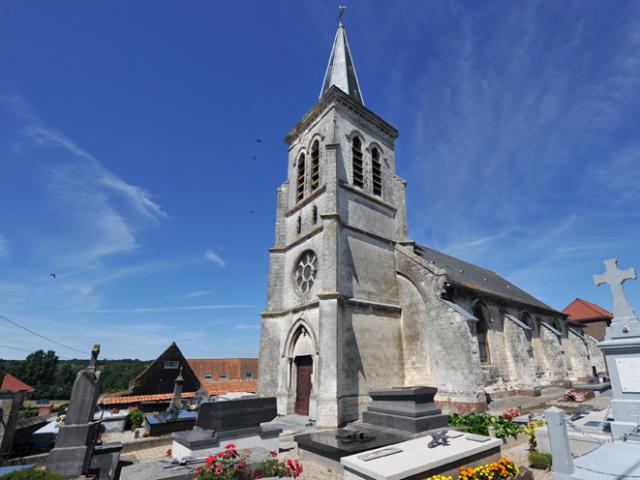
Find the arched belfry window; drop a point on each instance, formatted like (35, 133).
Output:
(482, 328)
(358, 175)
(300, 178)
(315, 165)
(376, 172)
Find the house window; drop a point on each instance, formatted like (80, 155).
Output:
(314, 214)
(315, 165)
(248, 375)
(356, 151)
(171, 364)
(300, 181)
(299, 225)
(376, 172)
(208, 376)
(481, 334)
(223, 375)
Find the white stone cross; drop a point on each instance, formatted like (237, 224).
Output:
(615, 277)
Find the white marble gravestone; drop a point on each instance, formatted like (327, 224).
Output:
(621, 348)
(416, 460)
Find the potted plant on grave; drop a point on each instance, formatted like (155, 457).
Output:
(233, 465)
(570, 395)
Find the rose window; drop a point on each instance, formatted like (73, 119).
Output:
(306, 271)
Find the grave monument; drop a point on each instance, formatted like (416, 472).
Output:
(229, 421)
(618, 457)
(76, 452)
(175, 418)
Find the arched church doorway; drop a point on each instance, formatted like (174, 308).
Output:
(301, 358)
(304, 369)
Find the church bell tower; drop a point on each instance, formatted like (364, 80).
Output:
(333, 301)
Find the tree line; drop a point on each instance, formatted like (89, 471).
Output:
(53, 378)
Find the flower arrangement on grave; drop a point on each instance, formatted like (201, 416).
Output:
(233, 465)
(530, 431)
(511, 413)
(570, 395)
(501, 470)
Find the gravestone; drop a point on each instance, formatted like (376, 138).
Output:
(175, 418)
(230, 421)
(395, 415)
(75, 452)
(617, 457)
(10, 404)
(621, 348)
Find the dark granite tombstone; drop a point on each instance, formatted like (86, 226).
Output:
(77, 437)
(236, 414)
(175, 418)
(408, 409)
(237, 421)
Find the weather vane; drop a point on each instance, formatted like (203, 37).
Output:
(341, 10)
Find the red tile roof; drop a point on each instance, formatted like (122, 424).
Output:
(213, 388)
(581, 310)
(235, 368)
(12, 383)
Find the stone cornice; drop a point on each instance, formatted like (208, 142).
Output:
(280, 313)
(306, 201)
(344, 185)
(297, 241)
(361, 302)
(335, 95)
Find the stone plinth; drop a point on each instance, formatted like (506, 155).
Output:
(415, 460)
(236, 414)
(162, 424)
(199, 443)
(408, 409)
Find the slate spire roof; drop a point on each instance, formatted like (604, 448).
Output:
(341, 71)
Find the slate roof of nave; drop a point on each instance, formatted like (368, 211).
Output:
(477, 278)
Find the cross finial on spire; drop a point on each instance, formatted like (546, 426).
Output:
(341, 10)
(615, 278)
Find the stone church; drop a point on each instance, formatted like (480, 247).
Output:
(355, 304)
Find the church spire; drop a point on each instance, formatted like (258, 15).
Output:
(341, 71)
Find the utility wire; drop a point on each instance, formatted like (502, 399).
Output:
(42, 336)
(14, 348)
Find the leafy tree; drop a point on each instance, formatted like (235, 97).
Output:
(39, 371)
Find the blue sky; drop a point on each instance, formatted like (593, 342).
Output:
(130, 167)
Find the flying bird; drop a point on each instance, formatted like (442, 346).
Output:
(52, 275)
(258, 140)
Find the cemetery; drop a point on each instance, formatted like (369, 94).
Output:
(380, 358)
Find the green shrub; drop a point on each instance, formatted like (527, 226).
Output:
(135, 418)
(32, 474)
(539, 460)
(479, 423)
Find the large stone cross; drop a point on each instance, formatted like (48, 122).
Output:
(615, 278)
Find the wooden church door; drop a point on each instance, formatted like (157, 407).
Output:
(304, 368)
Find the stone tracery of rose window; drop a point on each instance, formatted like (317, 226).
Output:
(306, 271)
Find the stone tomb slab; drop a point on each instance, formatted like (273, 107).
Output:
(163, 424)
(236, 414)
(417, 461)
(326, 449)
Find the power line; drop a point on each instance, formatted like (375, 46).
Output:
(42, 336)
(15, 348)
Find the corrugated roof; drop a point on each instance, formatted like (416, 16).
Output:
(12, 383)
(477, 278)
(580, 310)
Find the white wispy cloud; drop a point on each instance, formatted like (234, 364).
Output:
(199, 293)
(178, 308)
(214, 257)
(4, 246)
(100, 213)
(246, 326)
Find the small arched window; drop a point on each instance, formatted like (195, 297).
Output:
(315, 165)
(300, 178)
(358, 175)
(299, 225)
(314, 215)
(528, 320)
(376, 172)
(482, 327)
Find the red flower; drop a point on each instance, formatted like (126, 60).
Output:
(230, 445)
(211, 460)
